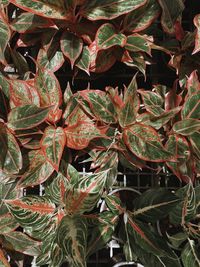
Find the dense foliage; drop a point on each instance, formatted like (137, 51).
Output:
(45, 128)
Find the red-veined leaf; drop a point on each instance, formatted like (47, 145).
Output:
(39, 170)
(137, 43)
(191, 107)
(44, 8)
(142, 17)
(71, 46)
(197, 37)
(52, 144)
(109, 9)
(72, 238)
(186, 126)
(7, 223)
(5, 35)
(27, 117)
(145, 143)
(3, 260)
(32, 211)
(107, 37)
(10, 156)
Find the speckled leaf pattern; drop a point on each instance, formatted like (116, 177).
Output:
(186, 126)
(32, 211)
(197, 38)
(10, 156)
(72, 238)
(109, 9)
(52, 144)
(107, 37)
(44, 8)
(190, 254)
(5, 35)
(71, 46)
(27, 117)
(191, 107)
(145, 143)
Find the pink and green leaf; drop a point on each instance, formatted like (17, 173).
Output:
(5, 35)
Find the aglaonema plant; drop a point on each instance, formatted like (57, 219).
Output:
(45, 128)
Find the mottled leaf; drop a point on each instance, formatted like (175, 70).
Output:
(191, 107)
(186, 126)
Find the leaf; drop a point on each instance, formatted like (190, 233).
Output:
(7, 224)
(197, 37)
(83, 62)
(3, 260)
(109, 9)
(27, 22)
(52, 144)
(190, 255)
(22, 93)
(195, 142)
(32, 211)
(27, 117)
(72, 238)
(193, 84)
(171, 10)
(22, 243)
(78, 136)
(137, 43)
(186, 126)
(177, 239)
(71, 46)
(4, 107)
(106, 37)
(186, 210)
(10, 157)
(39, 170)
(7, 191)
(144, 142)
(84, 195)
(44, 8)
(153, 102)
(191, 107)
(142, 17)
(5, 35)
(154, 204)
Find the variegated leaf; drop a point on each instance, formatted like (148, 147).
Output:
(72, 238)
(7, 191)
(191, 107)
(190, 254)
(32, 211)
(109, 9)
(83, 62)
(52, 144)
(27, 117)
(10, 156)
(186, 126)
(44, 8)
(71, 46)
(7, 224)
(197, 37)
(138, 43)
(193, 84)
(5, 35)
(145, 143)
(195, 142)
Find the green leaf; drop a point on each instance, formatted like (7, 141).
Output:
(7, 224)
(141, 18)
(22, 243)
(84, 195)
(197, 37)
(3, 260)
(4, 107)
(10, 157)
(195, 142)
(191, 107)
(71, 46)
(186, 126)
(27, 22)
(190, 255)
(171, 10)
(186, 210)
(7, 191)
(44, 8)
(32, 211)
(52, 144)
(145, 143)
(27, 117)
(72, 238)
(177, 239)
(5, 35)
(154, 204)
(39, 170)
(83, 62)
(109, 9)
(138, 43)
(107, 37)
(153, 102)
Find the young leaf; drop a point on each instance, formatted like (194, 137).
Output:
(107, 37)
(44, 8)
(10, 156)
(197, 37)
(5, 35)
(52, 144)
(144, 142)
(190, 255)
(109, 9)
(186, 126)
(71, 46)
(27, 117)
(72, 238)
